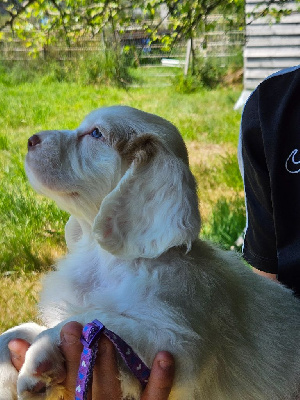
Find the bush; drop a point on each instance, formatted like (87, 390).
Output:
(106, 67)
(186, 84)
(210, 72)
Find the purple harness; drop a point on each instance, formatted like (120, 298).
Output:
(90, 336)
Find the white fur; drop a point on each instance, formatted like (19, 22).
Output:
(135, 263)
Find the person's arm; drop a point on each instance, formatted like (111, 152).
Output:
(260, 244)
(273, 277)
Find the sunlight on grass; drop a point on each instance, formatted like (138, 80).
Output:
(220, 188)
(18, 299)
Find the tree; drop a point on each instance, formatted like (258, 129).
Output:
(40, 22)
(45, 21)
(73, 18)
(189, 18)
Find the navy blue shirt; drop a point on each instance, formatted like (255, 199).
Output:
(270, 153)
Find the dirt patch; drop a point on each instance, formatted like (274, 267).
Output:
(234, 77)
(207, 154)
(207, 165)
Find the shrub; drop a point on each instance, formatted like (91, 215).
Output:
(105, 67)
(186, 84)
(208, 73)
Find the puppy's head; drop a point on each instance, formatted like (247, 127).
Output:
(126, 173)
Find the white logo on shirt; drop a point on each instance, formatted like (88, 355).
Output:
(291, 165)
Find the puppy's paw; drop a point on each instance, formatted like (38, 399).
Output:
(8, 373)
(43, 372)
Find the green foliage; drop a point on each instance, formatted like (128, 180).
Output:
(208, 73)
(233, 12)
(40, 23)
(227, 222)
(187, 84)
(272, 10)
(105, 67)
(189, 18)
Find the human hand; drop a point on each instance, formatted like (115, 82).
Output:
(105, 377)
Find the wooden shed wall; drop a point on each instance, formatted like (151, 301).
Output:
(270, 46)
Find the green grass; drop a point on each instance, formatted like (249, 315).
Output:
(32, 227)
(206, 115)
(226, 222)
(18, 299)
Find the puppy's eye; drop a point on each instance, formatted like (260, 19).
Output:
(96, 133)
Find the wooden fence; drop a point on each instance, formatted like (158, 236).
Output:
(220, 44)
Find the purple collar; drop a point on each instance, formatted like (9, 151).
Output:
(90, 336)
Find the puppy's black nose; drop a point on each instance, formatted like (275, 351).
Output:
(33, 141)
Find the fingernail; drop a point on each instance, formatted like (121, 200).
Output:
(165, 364)
(68, 338)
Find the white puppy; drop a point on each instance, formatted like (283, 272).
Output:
(135, 263)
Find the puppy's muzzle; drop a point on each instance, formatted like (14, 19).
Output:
(33, 141)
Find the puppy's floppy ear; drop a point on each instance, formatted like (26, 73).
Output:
(153, 208)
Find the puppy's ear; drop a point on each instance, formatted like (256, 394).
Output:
(153, 208)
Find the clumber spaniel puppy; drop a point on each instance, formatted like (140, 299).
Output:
(136, 264)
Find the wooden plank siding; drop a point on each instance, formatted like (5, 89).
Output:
(270, 46)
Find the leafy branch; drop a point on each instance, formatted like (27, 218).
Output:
(15, 12)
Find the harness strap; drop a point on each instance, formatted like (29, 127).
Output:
(90, 336)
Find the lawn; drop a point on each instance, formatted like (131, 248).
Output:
(32, 227)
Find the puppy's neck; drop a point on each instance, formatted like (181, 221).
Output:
(79, 235)
(76, 231)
